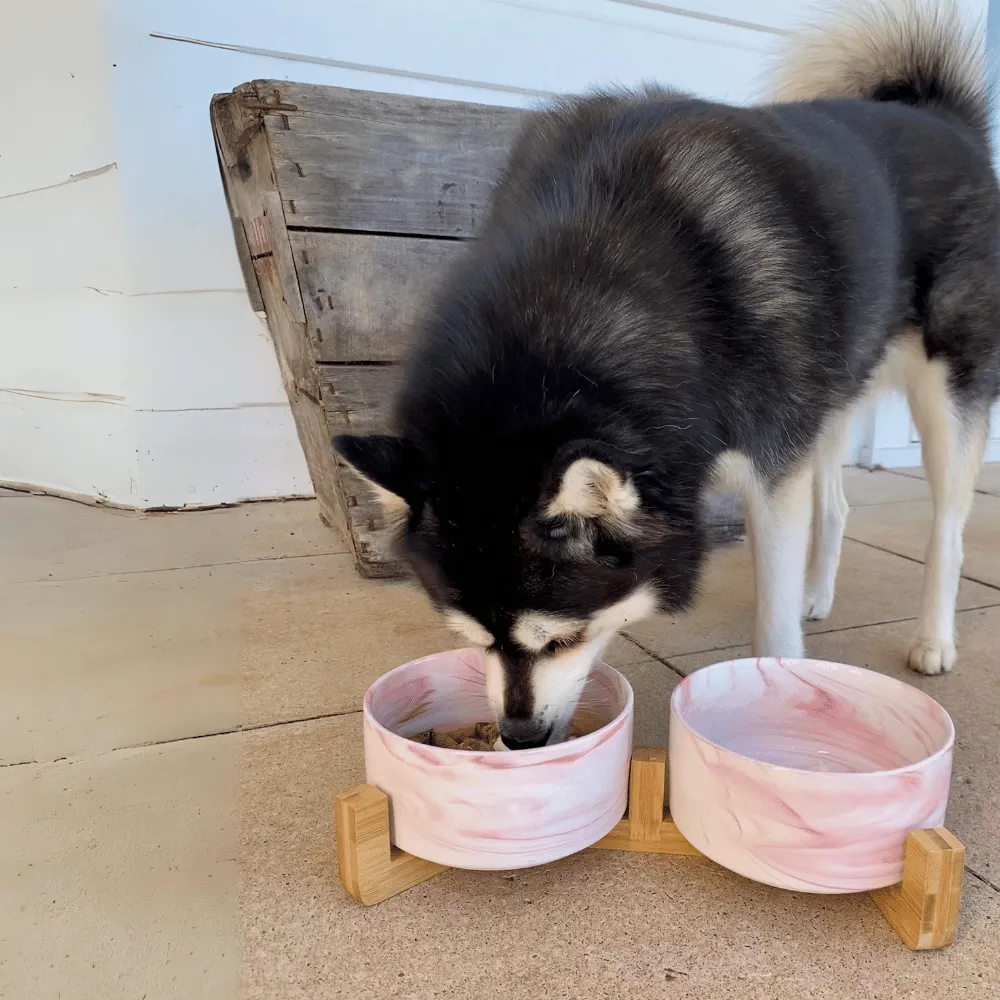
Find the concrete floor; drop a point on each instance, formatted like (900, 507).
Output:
(180, 698)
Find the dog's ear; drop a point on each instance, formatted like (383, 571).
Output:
(391, 464)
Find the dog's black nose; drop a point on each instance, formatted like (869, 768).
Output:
(523, 735)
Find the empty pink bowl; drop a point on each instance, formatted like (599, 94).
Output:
(504, 809)
(805, 774)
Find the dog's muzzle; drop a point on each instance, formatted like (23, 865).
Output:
(524, 734)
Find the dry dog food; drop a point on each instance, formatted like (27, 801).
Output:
(481, 736)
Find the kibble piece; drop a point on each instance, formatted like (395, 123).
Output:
(483, 736)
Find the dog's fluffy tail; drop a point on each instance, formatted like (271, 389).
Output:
(918, 52)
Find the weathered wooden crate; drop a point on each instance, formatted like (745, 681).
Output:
(346, 206)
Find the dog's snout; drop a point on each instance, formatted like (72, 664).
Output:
(524, 734)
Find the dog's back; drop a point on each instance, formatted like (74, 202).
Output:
(668, 290)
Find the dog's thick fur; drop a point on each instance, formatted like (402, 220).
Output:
(670, 293)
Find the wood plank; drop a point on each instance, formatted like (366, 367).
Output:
(290, 96)
(357, 399)
(670, 841)
(363, 294)
(647, 778)
(923, 908)
(347, 159)
(645, 827)
(245, 159)
(246, 162)
(368, 866)
(242, 248)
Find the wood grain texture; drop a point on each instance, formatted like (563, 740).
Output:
(645, 827)
(348, 159)
(923, 908)
(245, 162)
(364, 294)
(246, 169)
(670, 841)
(356, 400)
(646, 790)
(370, 869)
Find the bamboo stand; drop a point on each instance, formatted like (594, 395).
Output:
(922, 909)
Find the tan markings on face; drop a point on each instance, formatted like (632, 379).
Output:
(469, 628)
(638, 605)
(592, 489)
(534, 630)
(395, 508)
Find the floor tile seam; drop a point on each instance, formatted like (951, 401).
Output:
(173, 569)
(919, 562)
(921, 479)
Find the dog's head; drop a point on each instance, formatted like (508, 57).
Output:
(536, 549)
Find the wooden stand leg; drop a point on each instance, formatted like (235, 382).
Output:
(645, 826)
(923, 908)
(371, 869)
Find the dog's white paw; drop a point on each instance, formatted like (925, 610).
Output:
(932, 656)
(818, 604)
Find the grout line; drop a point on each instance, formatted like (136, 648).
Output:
(656, 656)
(307, 718)
(176, 739)
(239, 729)
(983, 879)
(919, 562)
(808, 635)
(186, 739)
(177, 569)
(921, 479)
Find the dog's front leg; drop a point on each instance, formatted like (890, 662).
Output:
(778, 525)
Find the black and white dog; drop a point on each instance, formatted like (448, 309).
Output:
(670, 294)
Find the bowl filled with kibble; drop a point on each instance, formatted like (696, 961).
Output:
(458, 797)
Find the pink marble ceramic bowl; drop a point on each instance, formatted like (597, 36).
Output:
(501, 809)
(805, 774)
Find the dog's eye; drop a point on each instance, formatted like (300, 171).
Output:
(554, 528)
(558, 645)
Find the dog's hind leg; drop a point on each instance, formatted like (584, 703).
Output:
(778, 526)
(952, 436)
(829, 518)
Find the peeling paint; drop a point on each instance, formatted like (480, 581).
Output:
(170, 291)
(86, 175)
(67, 397)
(213, 409)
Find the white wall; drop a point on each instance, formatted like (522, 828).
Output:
(63, 363)
(132, 367)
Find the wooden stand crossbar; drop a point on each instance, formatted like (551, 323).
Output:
(922, 909)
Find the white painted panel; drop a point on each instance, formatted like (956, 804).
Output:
(84, 447)
(63, 236)
(219, 456)
(62, 340)
(56, 116)
(200, 349)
